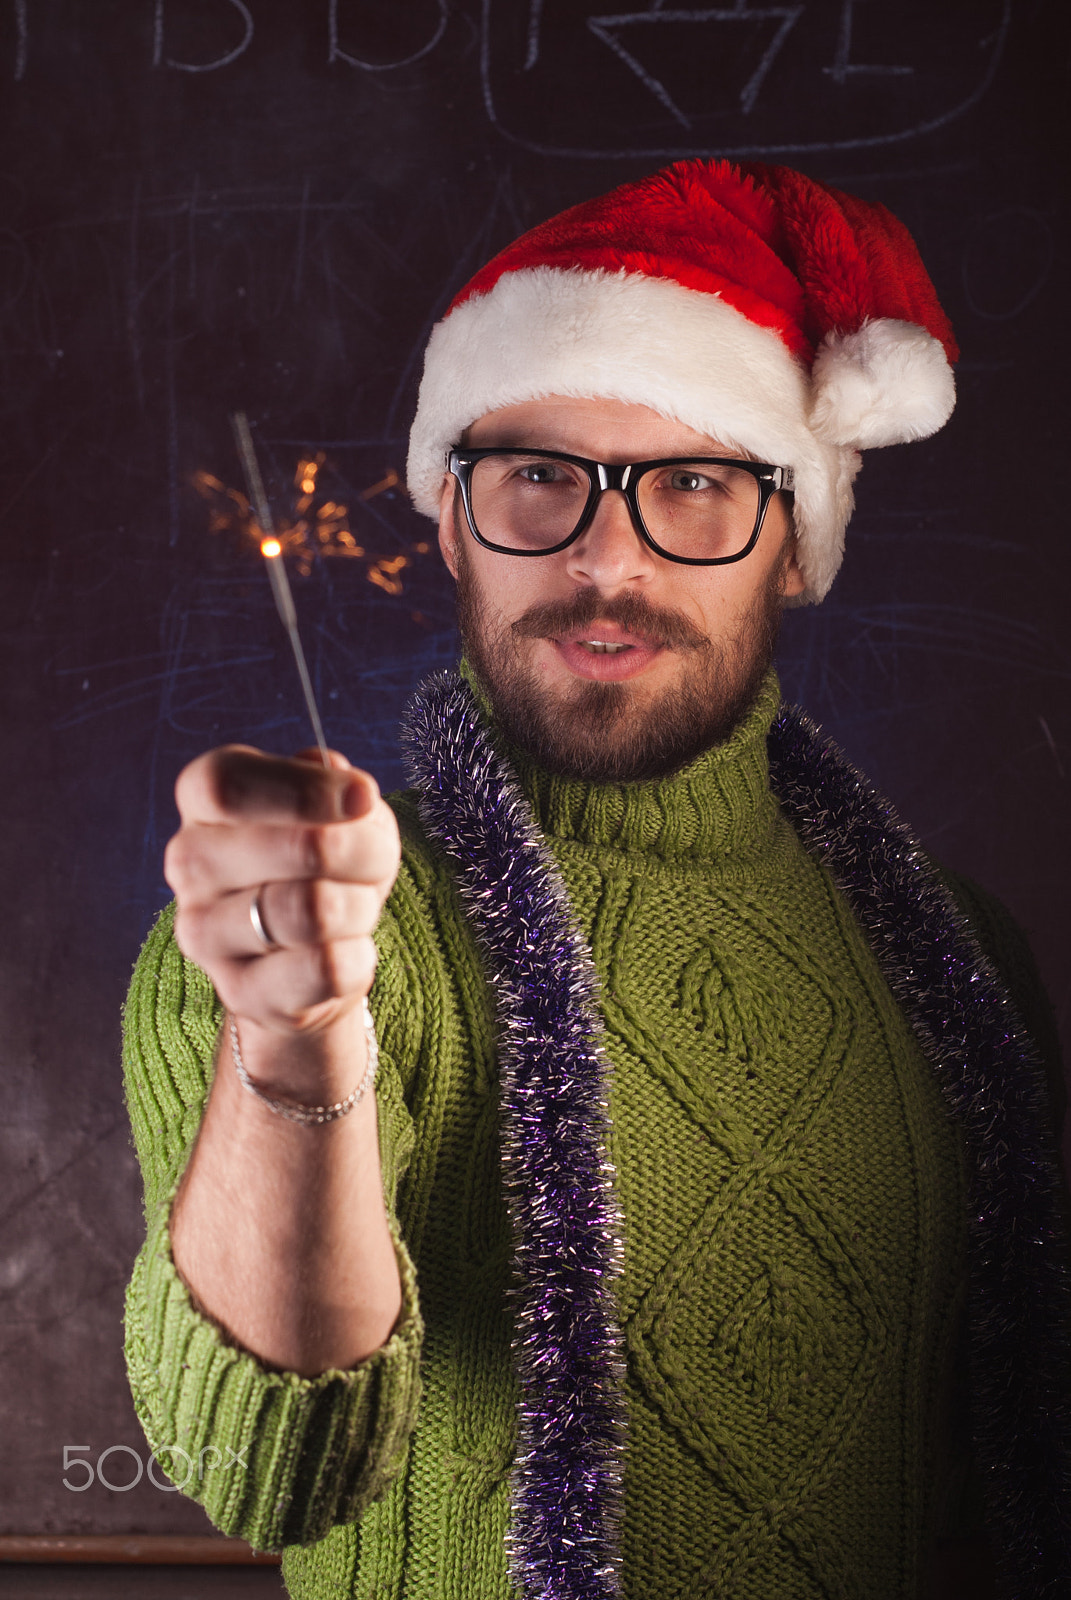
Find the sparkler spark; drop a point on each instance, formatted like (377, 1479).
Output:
(312, 524)
(306, 524)
(384, 573)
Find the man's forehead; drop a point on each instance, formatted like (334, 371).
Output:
(607, 429)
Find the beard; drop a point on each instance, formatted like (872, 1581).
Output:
(618, 732)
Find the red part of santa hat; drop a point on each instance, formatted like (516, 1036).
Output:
(778, 316)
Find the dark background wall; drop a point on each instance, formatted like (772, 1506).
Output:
(207, 204)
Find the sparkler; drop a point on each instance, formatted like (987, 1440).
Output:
(272, 551)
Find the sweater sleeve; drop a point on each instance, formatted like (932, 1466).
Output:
(273, 1457)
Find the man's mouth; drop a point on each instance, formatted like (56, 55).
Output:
(608, 654)
(606, 636)
(608, 640)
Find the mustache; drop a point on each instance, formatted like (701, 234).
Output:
(633, 612)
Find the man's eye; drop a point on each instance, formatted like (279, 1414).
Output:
(541, 472)
(690, 481)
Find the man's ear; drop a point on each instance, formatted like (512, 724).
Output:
(793, 582)
(448, 524)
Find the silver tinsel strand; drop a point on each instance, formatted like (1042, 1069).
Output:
(566, 1485)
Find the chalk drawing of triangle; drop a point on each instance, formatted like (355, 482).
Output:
(753, 35)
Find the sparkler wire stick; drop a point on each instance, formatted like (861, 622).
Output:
(272, 551)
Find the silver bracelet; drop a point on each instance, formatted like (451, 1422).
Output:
(295, 1110)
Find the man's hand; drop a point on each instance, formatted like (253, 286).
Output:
(320, 849)
(280, 1229)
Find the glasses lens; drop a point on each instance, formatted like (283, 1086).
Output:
(698, 509)
(527, 501)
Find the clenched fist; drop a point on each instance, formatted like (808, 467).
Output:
(307, 853)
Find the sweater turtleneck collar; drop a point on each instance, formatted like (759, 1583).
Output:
(719, 805)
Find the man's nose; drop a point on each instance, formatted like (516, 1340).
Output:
(610, 552)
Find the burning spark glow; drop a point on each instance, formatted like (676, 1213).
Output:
(385, 574)
(309, 522)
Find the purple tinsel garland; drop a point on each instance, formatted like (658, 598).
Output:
(567, 1474)
(567, 1253)
(1019, 1300)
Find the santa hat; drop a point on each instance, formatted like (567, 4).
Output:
(780, 317)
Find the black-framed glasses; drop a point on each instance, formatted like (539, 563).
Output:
(703, 511)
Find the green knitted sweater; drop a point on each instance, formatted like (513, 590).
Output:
(793, 1203)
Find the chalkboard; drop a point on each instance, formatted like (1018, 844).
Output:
(266, 204)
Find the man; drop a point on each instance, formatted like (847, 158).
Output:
(643, 1267)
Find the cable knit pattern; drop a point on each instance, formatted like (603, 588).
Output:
(791, 1191)
(793, 1203)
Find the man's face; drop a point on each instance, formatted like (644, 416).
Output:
(606, 661)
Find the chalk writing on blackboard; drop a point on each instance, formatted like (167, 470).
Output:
(665, 81)
(676, 81)
(161, 58)
(844, 66)
(218, 36)
(22, 38)
(1008, 257)
(335, 51)
(612, 31)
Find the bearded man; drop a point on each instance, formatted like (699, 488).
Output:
(644, 1268)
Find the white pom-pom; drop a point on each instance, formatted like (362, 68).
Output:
(885, 384)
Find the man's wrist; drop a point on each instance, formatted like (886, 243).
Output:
(309, 1113)
(320, 1066)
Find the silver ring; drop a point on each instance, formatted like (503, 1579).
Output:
(257, 920)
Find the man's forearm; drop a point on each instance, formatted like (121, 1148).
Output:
(280, 1229)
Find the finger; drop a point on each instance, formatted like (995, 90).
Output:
(319, 910)
(316, 911)
(335, 759)
(281, 989)
(237, 783)
(205, 860)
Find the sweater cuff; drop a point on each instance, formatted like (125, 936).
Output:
(273, 1457)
